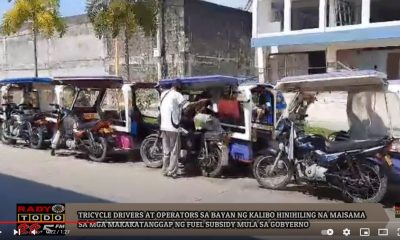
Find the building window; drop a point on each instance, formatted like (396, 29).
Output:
(305, 14)
(385, 10)
(270, 16)
(343, 12)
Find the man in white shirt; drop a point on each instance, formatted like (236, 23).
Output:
(171, 104)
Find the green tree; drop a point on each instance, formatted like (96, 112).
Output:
(125, 17)
(42, 15)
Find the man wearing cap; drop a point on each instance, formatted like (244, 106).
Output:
(171, 105)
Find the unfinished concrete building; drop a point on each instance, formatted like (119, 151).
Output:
(295, 37)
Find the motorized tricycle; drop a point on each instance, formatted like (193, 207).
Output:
(203, 143)
(108, 99)
(356, 162)
(248, 111)
(24, 110)
(251, 116)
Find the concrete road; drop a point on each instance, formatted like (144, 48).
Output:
(34, 176)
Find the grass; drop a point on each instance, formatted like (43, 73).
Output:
(150, 120)
(317, 130)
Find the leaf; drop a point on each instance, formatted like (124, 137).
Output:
(122, 16)
(44, 14)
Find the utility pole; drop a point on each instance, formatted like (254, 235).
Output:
(248, 5)
(162, 67)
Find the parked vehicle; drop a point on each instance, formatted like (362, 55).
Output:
(357, 162)
(251, 117)
(351, 167)
(92, 137)
(22, 121)
(205, 147)
(119, 103)
(108, 99)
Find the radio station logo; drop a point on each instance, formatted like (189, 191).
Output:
(397, 210)
(40, 219)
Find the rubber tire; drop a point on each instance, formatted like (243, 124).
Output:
(103, 156)
(218, 170)
(40, 144)
(6, 140)
(266, 184)
(150, 164)
(382, 190)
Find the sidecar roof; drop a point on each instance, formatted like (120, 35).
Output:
(26, 80)
(201, 82)
(334, 81)
(90, 81)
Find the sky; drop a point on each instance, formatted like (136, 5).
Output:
(75, 7)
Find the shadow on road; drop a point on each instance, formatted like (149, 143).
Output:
(15, 190)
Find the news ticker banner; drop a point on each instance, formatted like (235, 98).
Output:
(199, 219)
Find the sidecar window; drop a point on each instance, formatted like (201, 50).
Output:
(87, 98)
(113, 106)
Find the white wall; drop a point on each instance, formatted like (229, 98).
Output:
(78, 52)
(362, 59)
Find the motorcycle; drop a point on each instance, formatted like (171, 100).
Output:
(359, 169)
(16, 124)
(43, 128)
(205, 149)
(93, 138)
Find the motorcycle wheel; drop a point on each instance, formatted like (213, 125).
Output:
(279, 178)
(212, 166)
(4, 139)
(98, 154)
(36, 138)
(377, 183)
(152, 155)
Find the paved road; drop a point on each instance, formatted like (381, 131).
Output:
(34, 176)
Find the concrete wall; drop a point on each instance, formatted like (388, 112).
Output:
(201, 38)
(78, 52)
(219, 39)
(366, 59)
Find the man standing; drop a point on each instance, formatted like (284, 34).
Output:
(171, 104)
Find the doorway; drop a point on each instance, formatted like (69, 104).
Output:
(392, 66)
(317, 62)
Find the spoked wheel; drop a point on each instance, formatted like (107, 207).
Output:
(98, 151)
(371, 188)
(276, 179)
(151, 151)
(4, 132)
(211, 166)
(36, 138)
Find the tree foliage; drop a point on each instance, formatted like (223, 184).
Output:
(44, 16)
(122, 16)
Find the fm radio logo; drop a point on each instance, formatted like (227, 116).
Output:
(35, 219)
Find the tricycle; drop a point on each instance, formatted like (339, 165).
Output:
(251, 117)
(108, 99)
(356, 162)
(25, 104)
(204, 142)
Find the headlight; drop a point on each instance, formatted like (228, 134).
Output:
(395, 146)
(281, 146)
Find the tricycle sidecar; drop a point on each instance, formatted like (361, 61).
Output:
(25, 103)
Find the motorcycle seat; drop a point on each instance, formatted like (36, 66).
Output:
(87, 125)
(213, 135)
(343, 146)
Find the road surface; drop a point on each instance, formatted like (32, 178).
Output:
(34, 176)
